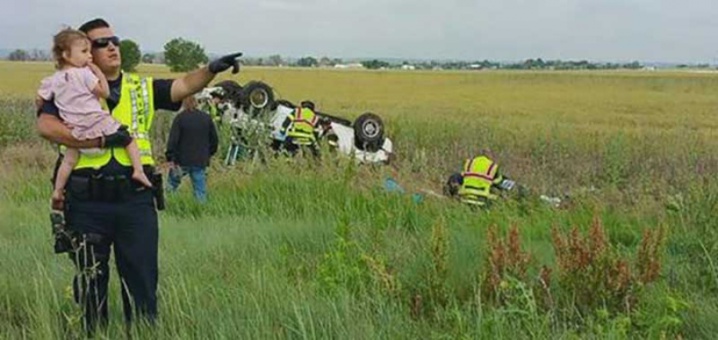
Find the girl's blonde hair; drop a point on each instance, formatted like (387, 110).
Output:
(63, 42)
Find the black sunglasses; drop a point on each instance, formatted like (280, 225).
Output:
(104, 42)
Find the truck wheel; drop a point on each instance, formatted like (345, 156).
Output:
(257, 96)
(368, 132)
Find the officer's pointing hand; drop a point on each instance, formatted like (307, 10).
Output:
(223, 63)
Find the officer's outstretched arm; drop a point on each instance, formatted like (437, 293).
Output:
(52, 129)
(190, 84)
(195, 81)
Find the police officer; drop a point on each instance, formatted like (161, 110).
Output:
(478, 182)
(102, 204)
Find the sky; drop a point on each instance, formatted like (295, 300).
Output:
(503, 30)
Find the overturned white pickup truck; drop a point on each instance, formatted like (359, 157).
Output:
(254, 104)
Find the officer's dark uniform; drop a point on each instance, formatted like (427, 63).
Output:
(109, 209)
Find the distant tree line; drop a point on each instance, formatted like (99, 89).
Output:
(701, 66)
(540, 64)
(31, 55)
(183, 55)
(278, 60)
(529, 64)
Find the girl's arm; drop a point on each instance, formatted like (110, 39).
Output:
(102, 89)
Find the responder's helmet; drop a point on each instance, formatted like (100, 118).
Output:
(307, 105)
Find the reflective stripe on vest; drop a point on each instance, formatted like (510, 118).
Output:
(135, 110)
(479, 174)
(301, 114)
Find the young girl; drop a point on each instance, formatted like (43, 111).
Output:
(76, 88)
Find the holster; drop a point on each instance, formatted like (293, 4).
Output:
(158, 190)
(65, 238)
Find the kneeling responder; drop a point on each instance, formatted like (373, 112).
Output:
(478, 182)
(299, 128)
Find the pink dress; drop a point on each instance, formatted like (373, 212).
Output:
(71, 89)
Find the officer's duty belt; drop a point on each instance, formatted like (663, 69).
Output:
(103, 188)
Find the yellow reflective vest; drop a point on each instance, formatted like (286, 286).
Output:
(136, 110)
(214, 112)
(479, 174)
(301, 128)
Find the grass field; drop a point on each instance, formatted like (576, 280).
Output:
(635, 151)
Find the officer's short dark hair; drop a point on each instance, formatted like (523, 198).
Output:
(307, 105)
(94, 24)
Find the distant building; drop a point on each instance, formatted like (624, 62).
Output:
(408, 67)
(349, 66)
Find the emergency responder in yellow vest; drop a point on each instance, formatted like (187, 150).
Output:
(102, 206)
(299, 129)
(213, 108)
(478, 182)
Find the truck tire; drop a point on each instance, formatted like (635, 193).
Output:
(368, 132)
(257, 95)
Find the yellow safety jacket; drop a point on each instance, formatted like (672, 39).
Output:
(479, 175)
(301, 128)
(136, 110)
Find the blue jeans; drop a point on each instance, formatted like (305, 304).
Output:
(197, 174)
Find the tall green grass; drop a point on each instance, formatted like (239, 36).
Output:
(290, 249)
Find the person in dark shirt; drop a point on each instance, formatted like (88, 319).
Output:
(192, 141)
(102, 207)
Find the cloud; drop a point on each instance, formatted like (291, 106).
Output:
(281, 6)
(669, 30)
